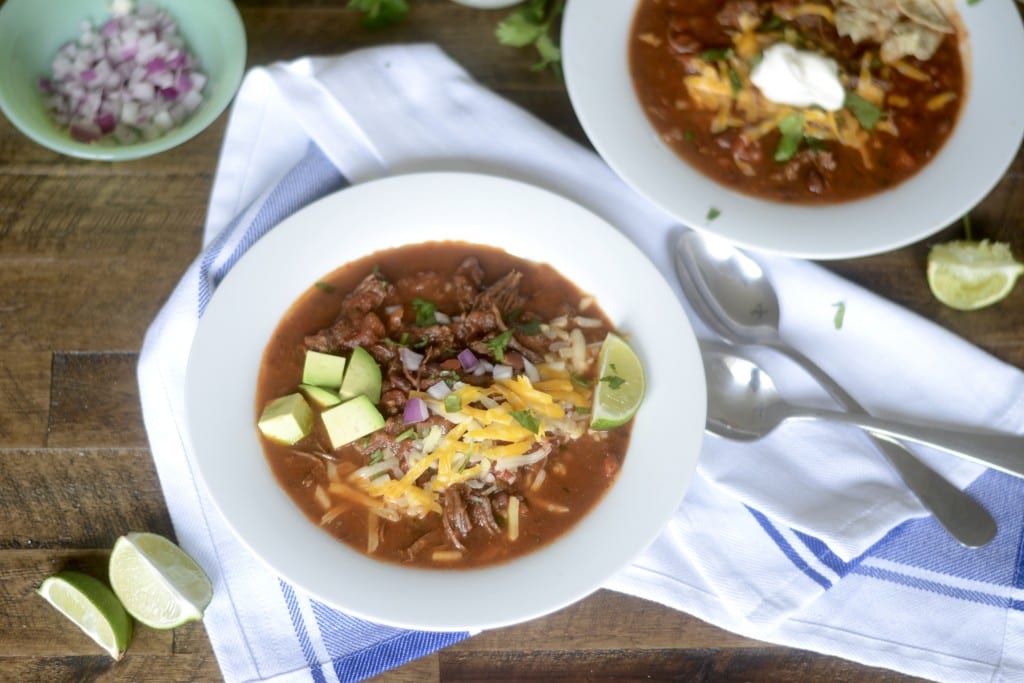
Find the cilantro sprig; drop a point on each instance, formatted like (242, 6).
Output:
(530, 24)
(792, 129)
(868, 115)
(426, 312)
(527, 420)
(380, 13)
(498, 344)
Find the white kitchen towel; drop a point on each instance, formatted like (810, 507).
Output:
(805, 538)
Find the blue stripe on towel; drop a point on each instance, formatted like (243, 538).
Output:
(292, 601)
(788, 550)
(360, 649)
(310, 179)
(924, 544)
(977, 596)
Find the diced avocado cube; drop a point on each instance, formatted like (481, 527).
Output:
(362, 377)
(286, 419)
(352, 419)
(323, 370)
(322, 398)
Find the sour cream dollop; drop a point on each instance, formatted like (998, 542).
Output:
(798, 78)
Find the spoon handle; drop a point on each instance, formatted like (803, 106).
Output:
(1004, 452)
(964, 518)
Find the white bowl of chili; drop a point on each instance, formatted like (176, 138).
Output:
(597, 39)
(533, 224)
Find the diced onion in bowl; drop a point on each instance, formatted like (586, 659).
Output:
(415, 411)
(531, 370)
(130, 79)
(502, 371)
(439, 390)
(410, 359)
(468, 359)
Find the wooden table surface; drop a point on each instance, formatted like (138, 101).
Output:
(89, 251)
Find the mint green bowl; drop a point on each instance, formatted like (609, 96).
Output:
(31, 32)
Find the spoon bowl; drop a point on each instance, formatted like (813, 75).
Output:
(732, 294)
(740, 396)
(743, 404)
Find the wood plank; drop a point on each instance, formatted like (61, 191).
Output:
(95, 401)
(55, 217)
(76, 499)
(24, 397)
(585, 626)
(132, 668)
(722, 666)
(421, 670)
(110, 307)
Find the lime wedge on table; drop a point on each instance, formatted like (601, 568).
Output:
(970, 275)
(620, 384)
(92, 607)
(158, 583)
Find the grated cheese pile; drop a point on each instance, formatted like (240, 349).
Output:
(723, 85)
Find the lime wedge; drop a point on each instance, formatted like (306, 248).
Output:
(92, 607)
(968, 275)
(620, 384)
(158, 583)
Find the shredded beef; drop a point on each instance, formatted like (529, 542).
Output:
(357, 324)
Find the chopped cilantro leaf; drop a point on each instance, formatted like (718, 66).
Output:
(613, 381)
(530, 327)
(530, 24)
(497, 344)
(380, 13)
(868, 115)
(377, 456)
(689, 136)
(817, 144)
(772, 23)
(716, 54)
(527, 420)
(840, 307)
(324, 287)
(409, 433)
(425, 312)
(713, 213)
(792, 128)
(734, 82)
(579, 380)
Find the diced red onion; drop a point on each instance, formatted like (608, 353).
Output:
(439, 390)
(502, 371)
(415, 410)
(410, 359)
(130, 79)
(531, 370)
(468, 359)
(482, 367)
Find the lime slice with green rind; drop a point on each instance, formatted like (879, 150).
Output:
(92, 606)
(968, 275)
(157, 582)
(620, 384)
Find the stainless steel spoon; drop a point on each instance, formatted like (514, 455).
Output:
(734, 298)
(743, 404)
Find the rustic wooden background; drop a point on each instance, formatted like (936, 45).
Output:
(89, 251)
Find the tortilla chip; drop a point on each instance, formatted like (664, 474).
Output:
(927, 13)
(862, 24)
(910, 39)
